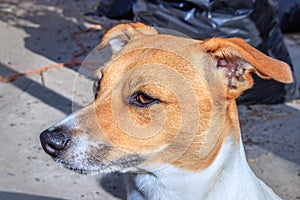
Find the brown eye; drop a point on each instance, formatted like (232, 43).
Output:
(97, 79)
(142, 100)
(96, 87)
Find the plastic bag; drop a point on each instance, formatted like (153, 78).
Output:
(254, 21)
(116, 9)
(289, 15)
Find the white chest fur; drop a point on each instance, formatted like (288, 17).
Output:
(229, 177)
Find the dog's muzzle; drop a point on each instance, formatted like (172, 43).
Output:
(55, 140)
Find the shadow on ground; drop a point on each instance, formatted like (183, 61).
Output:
(18, 196)
(274, 128)
(49, 25)
(113, 183)
(44, 94)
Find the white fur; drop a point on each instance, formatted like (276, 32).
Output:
(229, 177)
(68, 122)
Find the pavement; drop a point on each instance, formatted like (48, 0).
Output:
(36, 33)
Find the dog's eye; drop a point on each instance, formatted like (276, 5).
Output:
(97, 79)
(141, 99)
(96, 87)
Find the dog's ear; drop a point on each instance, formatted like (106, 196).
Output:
(118, 36)
(238, 59)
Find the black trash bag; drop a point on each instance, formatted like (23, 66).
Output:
(254, 21)
(289, 15)
(116, 9)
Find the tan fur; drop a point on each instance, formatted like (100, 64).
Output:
(264, 66)
(197, 110)
(162, 131)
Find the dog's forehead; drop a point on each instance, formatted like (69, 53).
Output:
(178, 45)
(160, 51)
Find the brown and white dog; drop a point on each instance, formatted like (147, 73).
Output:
(165, 114)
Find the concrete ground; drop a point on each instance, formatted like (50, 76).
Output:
(36, 33)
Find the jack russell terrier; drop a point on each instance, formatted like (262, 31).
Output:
(165, 115)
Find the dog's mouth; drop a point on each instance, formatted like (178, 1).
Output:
(82, 171)
(91, 168)
(88, 170)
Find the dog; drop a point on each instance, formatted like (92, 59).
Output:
(165, 115)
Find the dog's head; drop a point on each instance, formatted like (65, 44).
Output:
(160, 100)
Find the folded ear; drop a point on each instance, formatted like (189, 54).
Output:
(118, 36)
(238, 59)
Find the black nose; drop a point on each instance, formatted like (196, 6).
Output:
(54, 140)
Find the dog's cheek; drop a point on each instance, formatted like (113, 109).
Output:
(137, 130)
(139, 116)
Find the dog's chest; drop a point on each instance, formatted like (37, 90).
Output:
(165, 184)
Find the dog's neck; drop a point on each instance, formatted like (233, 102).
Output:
(228, 177)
